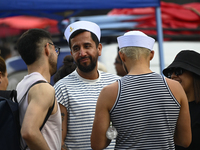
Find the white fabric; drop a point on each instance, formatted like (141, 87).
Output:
(51, 131)
(137, 39)
(135, 33)
(79, 96)
(86, 25)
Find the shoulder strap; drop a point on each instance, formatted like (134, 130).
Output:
(14, 95)
(9, 94)
(48, 114)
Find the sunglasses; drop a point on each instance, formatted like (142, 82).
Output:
(176, 71)
(57, 49)
(117, 62)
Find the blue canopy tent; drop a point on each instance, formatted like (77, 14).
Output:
(54, 8)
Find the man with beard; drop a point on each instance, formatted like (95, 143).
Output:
(40, 55)
(77, 93)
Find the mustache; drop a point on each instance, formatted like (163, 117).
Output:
(83, 58)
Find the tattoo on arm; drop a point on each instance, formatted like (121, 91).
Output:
(62, 115)
(64, 147)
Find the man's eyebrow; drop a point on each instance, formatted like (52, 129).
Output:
(88, 43)
(75, 46)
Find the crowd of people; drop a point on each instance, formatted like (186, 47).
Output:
(148, 110)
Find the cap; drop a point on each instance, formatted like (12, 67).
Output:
(85, 25)
(137, 39)
(185, 59)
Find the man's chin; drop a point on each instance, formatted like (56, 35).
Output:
(84, 64)
(86, 69)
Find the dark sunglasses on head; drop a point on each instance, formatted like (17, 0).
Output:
(176, 71)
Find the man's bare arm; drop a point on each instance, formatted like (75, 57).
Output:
(40, 99)
(64, 125)
(101, 123)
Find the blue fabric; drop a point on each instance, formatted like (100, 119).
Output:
(47, 7)
(63, 5)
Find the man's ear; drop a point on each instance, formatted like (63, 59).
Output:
(121, 55)
(47, 49)
(99, 48)
(151, 55)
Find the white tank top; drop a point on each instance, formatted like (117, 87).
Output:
(52, 131)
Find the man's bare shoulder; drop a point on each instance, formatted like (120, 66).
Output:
(111, 87)
(108, 95)
(41, 90)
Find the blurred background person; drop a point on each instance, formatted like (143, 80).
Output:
(3, 75)
(119, 66)
(5, 52)
(186, 69)
(68, 67)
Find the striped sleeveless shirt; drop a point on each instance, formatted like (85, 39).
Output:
(145, 113)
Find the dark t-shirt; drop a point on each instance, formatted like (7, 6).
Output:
(195, 125)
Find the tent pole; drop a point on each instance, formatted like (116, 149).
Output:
(160, 38)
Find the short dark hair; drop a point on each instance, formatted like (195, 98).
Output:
(29, 44)
(4, 52)
(2, 66)
(93, 36)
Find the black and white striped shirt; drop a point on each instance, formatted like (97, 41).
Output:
(145, 113)
(79, 96)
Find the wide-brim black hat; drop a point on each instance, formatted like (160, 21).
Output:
(185, 59)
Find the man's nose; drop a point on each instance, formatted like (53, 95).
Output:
(82, 52)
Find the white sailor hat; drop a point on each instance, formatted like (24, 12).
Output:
(85, 25)
(137, 39)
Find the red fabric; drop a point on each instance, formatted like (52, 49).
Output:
(195, 6)
(18, 24)
(6, 31)
(135, 11)
(28, 22)
(173, 16)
